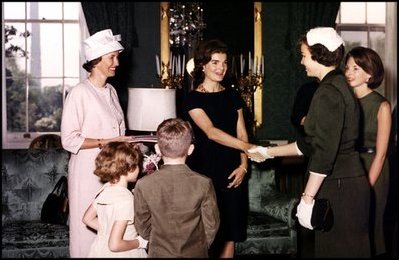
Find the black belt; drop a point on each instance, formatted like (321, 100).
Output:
(367, 150)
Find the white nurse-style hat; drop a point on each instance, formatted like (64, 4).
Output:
(101, 43)
(325, 36)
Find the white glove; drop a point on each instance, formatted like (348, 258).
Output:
(142, 242)
(259, 150)
(304, 214)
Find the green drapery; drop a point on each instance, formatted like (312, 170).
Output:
(119, 17)
(303, 17)
(282, 25)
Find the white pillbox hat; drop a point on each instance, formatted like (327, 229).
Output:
(326, 36)
(101, 43)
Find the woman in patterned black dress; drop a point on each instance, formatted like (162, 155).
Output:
(216, 114)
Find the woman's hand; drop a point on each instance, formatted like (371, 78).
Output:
(123, 138)
(238, 174)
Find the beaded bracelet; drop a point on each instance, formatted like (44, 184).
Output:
(100, 146)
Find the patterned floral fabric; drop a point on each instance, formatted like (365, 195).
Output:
(28, 176)
(33, 239)
(271, 228)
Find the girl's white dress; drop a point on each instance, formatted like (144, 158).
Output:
(114, 203)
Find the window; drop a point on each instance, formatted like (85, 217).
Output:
(365, 24)
(40, 63)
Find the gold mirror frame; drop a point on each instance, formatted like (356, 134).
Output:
(165, 46)
(165, 49)
(258, 54)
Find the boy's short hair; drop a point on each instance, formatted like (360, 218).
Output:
(174, 137)
(116, 159)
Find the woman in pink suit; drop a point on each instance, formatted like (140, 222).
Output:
(92, 117)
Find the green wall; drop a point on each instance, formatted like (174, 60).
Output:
(278, 90)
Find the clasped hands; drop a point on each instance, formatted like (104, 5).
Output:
(258, 154)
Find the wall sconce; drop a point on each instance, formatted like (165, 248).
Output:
(148, 107)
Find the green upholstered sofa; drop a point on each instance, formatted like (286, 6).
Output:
(28, 176)
(271, 227)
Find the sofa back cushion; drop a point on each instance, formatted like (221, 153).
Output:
(261, 181)
(28, 176)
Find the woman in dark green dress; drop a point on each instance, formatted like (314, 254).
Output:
(221, 142)
(364, 72)
(335, 170)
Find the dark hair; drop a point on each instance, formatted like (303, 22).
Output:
(370, 62)
(203, 54)
(89, 65)
(322, 55)
(174, 137)
(116, 159)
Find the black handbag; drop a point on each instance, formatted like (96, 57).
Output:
(55, 208)
(322, 215)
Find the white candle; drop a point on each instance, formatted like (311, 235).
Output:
(158, 67)
(170, 60)
(173, 65)
(178, 65)
(183, 65)
(263, 65)
(241, 67)
(249, 61)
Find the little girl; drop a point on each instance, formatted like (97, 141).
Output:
(111, 213)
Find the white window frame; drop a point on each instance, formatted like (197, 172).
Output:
(19, 140)
(390, 55)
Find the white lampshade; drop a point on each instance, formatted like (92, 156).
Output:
(148, 107)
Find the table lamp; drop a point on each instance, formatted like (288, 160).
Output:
(148, 107)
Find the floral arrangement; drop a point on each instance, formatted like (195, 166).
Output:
(150, 157)
(150, 163)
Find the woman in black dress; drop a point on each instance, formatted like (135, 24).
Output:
(364, 72)
(221, 142)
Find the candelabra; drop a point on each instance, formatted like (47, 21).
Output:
(248, 83)
(171, 74)
(186, 23)
(172, 81)
(247, 86)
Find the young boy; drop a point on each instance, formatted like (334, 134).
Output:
(175, 207)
